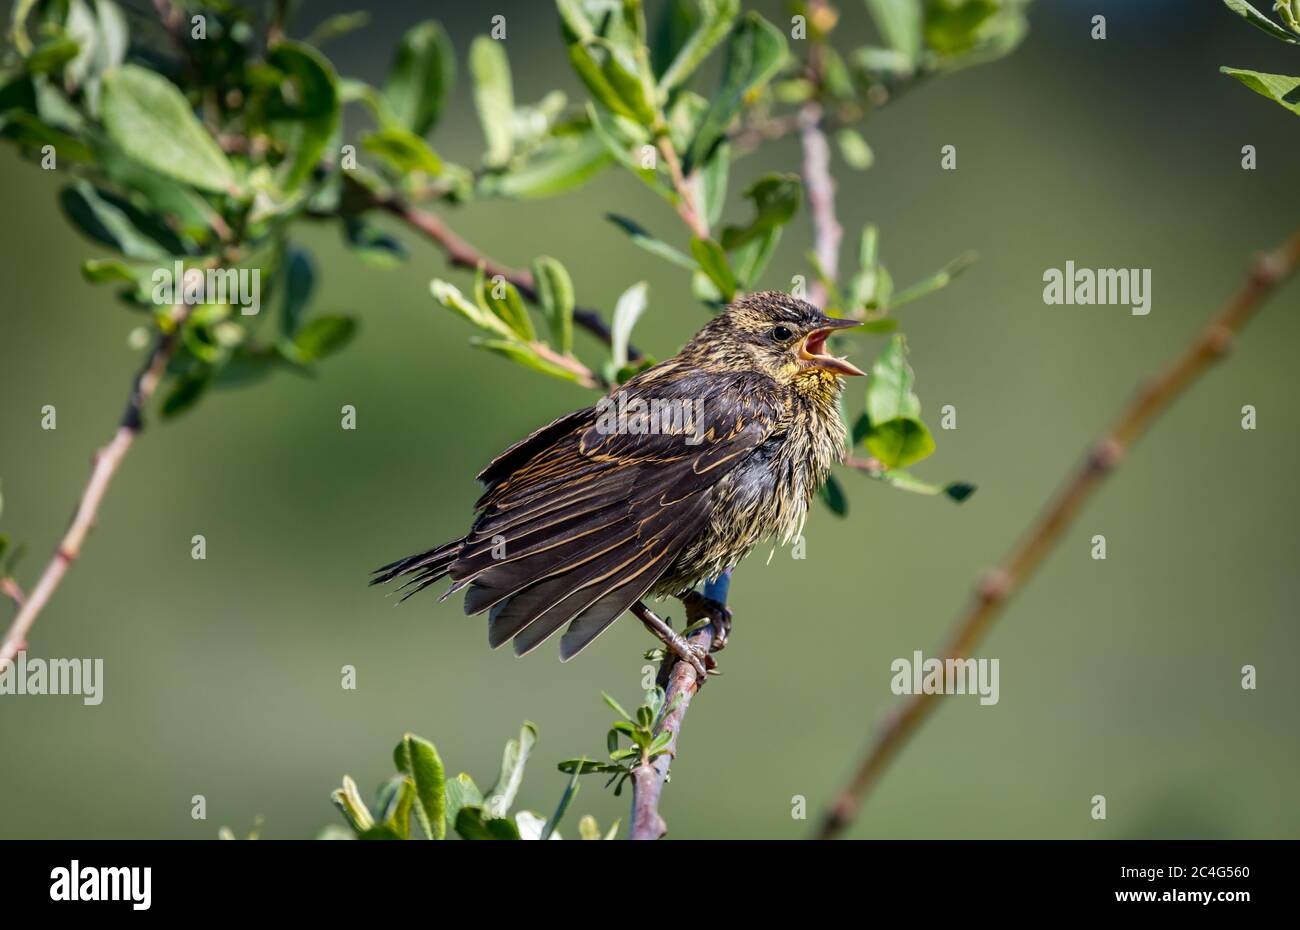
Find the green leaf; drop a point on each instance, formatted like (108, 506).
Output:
(596, 79)
(854, 149)
(112, 36)
(555, 291)
(588, 829)
(756, 51)
(574, 20)
(404, 151)
(371, 245)
(678, 19)
(109, 220)
(613, 135)
(563, 163)
(299, 283)
(323, 336)
(450, 297)
(713, 182)
(494, 97)
(641, 237)
(421, 77)
(615, 706)
(185, 208)
(889, 389)
(631, 304)
(394, 805)
(560, 809)
(1260, 21)
(626, 84)
(461, 792)
(1279, 88)
(97, 271)
(185, 393)
(513, 761)
(473, 823)
(418, 758)
(150, 120)
(586, 766)
(899, 23)
(832, 495)
(715, 22)
(527, 356)
(752, 257)
(899, 442)
(953, 28)
(713, 262)
(18, 25)
(51, 55)
(967, 32)
(861, 426)
(957, 491)
(340, 24)
(305, 118)
(378, 832)
(348, 800)
(505, 303)
(776, 200)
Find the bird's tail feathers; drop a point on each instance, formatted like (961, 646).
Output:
(424, 568)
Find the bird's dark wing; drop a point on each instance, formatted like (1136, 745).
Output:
(580, 520)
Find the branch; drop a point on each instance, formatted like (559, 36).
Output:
(687, 203)
(463, 255)
(816, 170)
(1267, 272)
(104, 468)
(820, 187)
(681, 685)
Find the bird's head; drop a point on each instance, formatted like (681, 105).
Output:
(780, 335)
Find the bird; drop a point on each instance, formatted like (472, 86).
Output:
(669, 480)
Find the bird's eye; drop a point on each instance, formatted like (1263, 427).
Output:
(782, 333)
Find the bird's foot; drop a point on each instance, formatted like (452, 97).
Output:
(698, 607)
(674, 642)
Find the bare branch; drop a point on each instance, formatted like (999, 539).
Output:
(993, 592)
(820, 188)
(106, 463)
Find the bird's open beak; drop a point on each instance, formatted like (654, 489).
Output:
(813, 349)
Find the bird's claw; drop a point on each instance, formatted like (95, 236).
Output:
(698, 607)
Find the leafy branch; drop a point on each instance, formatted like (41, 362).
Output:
(421, 792)
(205, 156)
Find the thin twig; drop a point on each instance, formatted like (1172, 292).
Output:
(106, 463)
(680, 682)
(818, 183)
(820, 188)
(991, 595)
(688, 206)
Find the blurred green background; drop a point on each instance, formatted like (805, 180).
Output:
(1118, 677)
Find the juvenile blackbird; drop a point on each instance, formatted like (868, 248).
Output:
(666, 483)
